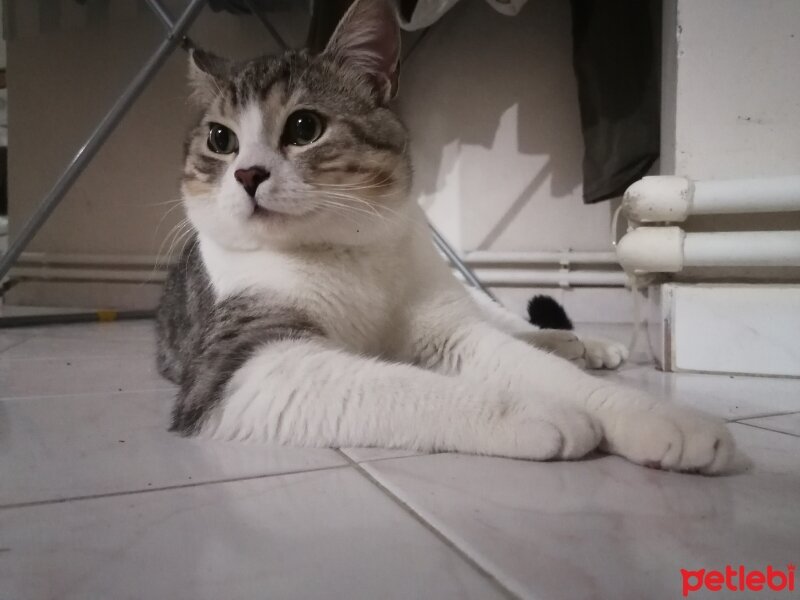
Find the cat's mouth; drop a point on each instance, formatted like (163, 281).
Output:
(259, 212)
(262, 213)
(276, 209)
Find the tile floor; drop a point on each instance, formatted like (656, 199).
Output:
(98, 501)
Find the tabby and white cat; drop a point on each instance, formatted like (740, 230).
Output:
(313, 309)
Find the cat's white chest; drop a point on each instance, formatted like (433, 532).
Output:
(355, 297)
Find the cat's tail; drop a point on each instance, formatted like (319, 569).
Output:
(546, 313)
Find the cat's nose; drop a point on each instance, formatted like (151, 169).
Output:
(251, 178)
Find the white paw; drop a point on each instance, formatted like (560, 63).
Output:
(672, 438)
(539, 432)
(590, 353)
(603, 354)
(558, 341)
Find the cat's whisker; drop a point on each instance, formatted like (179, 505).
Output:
(341, 210)
(163, 218)
(369, 210)
(178, 230)
(361, 184)
(165, 203)
(376, 209)
(345, 207)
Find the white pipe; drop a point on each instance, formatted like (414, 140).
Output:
(490, 277)
(775, 194)
(535, 277)
(73, 274)
(472, 258)
(672, 199)
(670, 249)
(742, 249)
(495, 277)
(481, 257)
(112, 260)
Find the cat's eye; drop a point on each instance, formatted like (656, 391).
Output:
(302, 128)
(221, 139)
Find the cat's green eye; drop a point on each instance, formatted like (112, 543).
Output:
(302, 128)
(221, 139)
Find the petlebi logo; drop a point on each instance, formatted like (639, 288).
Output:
(739, 579)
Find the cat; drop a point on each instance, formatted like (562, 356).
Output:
(311, 308)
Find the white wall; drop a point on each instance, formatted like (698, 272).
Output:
(492, 104)
(735, 68)
(731, 104)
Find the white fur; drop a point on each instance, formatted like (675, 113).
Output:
(389, 304)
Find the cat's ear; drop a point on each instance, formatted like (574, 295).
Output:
(368, 38)
(207, 74)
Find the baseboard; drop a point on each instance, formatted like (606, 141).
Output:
(751, 329)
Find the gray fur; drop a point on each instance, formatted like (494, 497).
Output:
(201, 343)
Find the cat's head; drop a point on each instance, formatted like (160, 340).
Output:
(300, 148)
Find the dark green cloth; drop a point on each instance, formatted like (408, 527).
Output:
(617, 63)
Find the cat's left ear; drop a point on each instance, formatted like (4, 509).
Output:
(368, 38)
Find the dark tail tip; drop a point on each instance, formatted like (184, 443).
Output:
(546, 313)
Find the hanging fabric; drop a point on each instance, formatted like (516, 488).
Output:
(616, 57)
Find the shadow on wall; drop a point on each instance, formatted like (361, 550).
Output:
(476, 78)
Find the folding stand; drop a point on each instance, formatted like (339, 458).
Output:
(175, 37)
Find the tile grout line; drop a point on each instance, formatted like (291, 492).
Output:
(794, 435)
(472, 562)
(167, 487)
(14, 346)
(764, 416)
(85, 394)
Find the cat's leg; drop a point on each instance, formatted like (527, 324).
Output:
(592, 353)
(636, 426)
(305, 392)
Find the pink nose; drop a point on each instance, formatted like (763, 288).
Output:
(251, 178)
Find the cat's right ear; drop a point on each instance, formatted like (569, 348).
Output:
(207, 74)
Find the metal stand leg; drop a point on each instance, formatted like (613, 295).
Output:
(99, 136)
(455, 259)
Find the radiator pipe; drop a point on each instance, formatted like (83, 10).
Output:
(671, 199)
(670, 249)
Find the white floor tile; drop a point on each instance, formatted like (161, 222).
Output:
(327, 534)
(24, 377)
(9, 340)
(730, 397)
(72, 446)
(118, 330)
(784, 423)
(605, 528)
(39, 347)
(365, 454)
(7, 310)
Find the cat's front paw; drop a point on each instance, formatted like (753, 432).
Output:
(558, 341)
(603, 354)
(672, 438)
(545, 432)
(591, 353)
